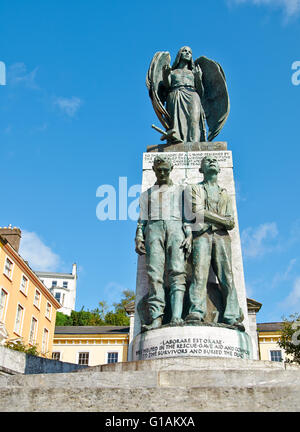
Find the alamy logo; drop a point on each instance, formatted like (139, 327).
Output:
(296, 75)
(159, 203)
(2, 73)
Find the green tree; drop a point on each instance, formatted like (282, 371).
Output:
(290, 338)
(100, 312)
(62, 319)
(86, 318)
(119, 317)
(128, 297)
(82, 317)
(99, 316)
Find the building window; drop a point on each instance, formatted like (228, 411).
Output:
(8, 268)
(276, 355)
(56, 355)
(3, 302)
(65, 285)
(24, 284)
(83, 358)
(48, 310)
(33, 329)
(112, 357)
(57, 296)
(19, 318)
(37, 298)
(45, 341)
(54, 284)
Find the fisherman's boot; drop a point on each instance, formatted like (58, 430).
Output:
(156, 323)
(176, 307)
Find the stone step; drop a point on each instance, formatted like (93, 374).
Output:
(164, 385)
(80, 380)
(227, 378)
(156, 399)
(205, 363)
(163, 378)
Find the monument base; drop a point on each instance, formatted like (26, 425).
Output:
(192, 341)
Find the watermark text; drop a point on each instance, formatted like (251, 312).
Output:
(296, 75)
(2, 73)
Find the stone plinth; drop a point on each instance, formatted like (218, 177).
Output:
(192, 341)
(190, 146)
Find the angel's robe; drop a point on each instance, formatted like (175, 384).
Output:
(185, 108)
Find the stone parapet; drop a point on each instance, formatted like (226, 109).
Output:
(15, 362)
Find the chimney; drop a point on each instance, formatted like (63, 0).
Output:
(74, 270)
(12, 235)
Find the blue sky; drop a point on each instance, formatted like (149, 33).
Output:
(75, 114)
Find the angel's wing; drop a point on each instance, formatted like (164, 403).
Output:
(157, 90)
(215, 100)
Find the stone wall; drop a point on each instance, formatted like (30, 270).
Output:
(15, 362)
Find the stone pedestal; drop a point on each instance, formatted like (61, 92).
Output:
(192, 341)
(186, 171)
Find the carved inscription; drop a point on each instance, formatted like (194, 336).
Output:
(190, 159)
(192, 346)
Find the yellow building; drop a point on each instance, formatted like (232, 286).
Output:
(27, 308)
(268, 337)
(91, 345)
(96, 345)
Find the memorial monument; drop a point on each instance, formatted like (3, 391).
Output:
(190, 293)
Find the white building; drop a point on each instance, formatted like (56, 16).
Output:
(63, 287)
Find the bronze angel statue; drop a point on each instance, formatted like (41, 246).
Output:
(188, 95)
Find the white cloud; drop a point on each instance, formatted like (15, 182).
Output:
(249, 290)
(290, 8)
(112, 292)
(68, 106)
(284, 276)
(238, 193)
(39, 256)
(292, 302)
(255, 287)
(295, 232)
(40, 128)
(18, 74)
(255, 241)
